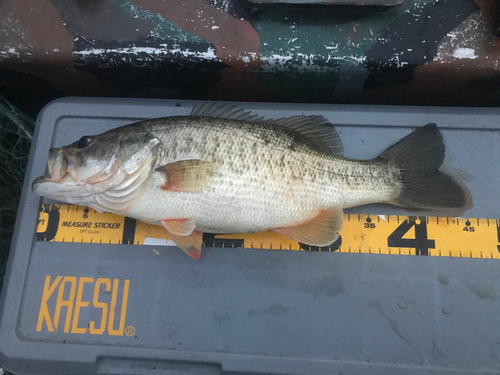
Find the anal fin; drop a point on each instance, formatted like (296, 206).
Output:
(320, 230)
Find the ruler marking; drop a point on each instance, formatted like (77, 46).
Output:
(498, 235)
(421, 236)
(129, 229)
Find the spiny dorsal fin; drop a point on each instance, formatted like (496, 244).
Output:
(316, 130)
(227, 110)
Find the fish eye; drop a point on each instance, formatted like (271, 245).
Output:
(84, 141)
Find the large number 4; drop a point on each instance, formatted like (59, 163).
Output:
(420, 243)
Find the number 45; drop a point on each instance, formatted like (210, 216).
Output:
(420, 243)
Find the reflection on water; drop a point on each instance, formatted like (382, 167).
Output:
(419, 52)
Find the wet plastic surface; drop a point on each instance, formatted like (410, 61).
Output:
(254, 311)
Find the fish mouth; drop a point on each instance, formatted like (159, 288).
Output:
(65, 187)
(59, 182)
(57, 164)
(64, 180)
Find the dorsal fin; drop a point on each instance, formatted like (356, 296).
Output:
(319, 133)
(227, 110)
(317, 130)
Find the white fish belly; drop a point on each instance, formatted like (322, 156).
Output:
(235, 207)
(238, 204)
(259, 185)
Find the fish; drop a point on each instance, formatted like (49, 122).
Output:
(222, 169)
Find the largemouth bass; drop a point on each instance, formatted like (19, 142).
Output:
(224, 170)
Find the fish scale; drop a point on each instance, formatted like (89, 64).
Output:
(311, 180)
(236, 173)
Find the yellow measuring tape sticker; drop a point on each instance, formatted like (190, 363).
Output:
(383, 234)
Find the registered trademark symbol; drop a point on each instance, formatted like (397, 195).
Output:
(130, 331)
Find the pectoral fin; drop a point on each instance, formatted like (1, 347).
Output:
(191, 176)
(181, 232)
(320, 230)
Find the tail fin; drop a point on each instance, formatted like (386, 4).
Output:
(418, 158)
